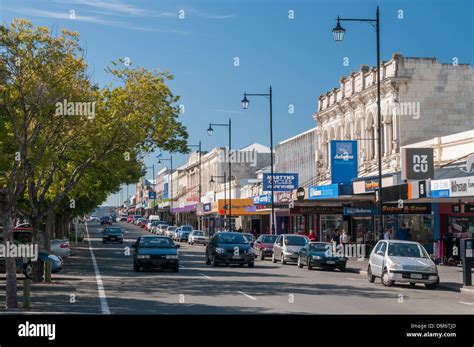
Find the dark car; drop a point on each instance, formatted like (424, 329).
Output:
(112, 234)
(153, 251)
(263, 246)
(229, 248)
(106, 220)
(320, 254)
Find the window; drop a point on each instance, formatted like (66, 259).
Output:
(383, 247)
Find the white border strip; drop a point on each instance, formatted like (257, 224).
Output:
(100, 285)
(247, 296)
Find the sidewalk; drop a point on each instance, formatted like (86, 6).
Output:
(450, 276)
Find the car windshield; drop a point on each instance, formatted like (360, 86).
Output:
(269, 239)
(113, 231)
(156, 242)
(295, 241)
(405, 250)
(198, 233)
(320, 247)
(231, 238)
(248, 237)
(171, 228)
(186, 228)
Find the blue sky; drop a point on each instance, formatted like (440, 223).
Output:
(298, 57)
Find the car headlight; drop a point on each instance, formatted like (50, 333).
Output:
(143, 256)
(287, 253)
(316, 257)
(433, 268)
(395, 266)
(219, 250)
(172, 256)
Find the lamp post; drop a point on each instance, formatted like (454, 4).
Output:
(225, 179)
(200, 168)
(338, 34)
(152, 183)
(245, 106)
(210, 131)
(171, 184)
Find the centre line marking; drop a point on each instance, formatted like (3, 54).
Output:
(100, 285)
(466, 303)
(247, 296)
(206, 276)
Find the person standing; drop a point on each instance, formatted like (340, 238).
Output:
(336, 239)
(403, 233)
(387, 235)
(312, 236)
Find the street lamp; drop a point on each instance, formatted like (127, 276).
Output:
(171, 184)
(245, 106)
(225, 198)
(210, 131)
(153, 183)
(338, 34)
(200, 167)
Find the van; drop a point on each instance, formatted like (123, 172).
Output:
(153, 217)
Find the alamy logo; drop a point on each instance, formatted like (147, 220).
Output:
(37, 330)
(238, 157)
(13, 250)
(420, 163)
(66, 108)
(469, 165)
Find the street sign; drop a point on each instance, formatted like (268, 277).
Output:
(281, 181)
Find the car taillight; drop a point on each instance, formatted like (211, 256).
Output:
(64, 245)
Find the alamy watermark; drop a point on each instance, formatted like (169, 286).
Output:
(13, 250)
(403, 109)
(355, 250)
(70, 108)
(238, 157)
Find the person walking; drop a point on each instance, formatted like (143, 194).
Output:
(403, 233)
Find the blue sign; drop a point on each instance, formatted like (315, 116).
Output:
(165, 191)
(206, 207)
(151, 195)
(262, 199)
(443, 193)
(323, 192)
(343, 161)
(281, 182)
(358, 211)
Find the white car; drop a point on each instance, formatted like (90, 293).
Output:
(198, 237)
(93, 218)
(60, 248)
(402, 261)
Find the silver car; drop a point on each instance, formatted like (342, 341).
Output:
(402, 261)
(287, 248)
(198, 236)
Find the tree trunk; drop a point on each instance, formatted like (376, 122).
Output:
(49, 230)
(11, 300)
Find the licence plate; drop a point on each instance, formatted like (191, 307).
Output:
(331, 262)
(418, 276)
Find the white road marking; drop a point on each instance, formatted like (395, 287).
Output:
(100, 285)
(466, 303)
(206, 276)
(247, 296)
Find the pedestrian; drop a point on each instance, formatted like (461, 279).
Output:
(312, 236)
(387, 235)
(345, 238)
(336, 239)
(240, 230)
(403, 233)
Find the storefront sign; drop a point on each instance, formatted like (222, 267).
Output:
(206, 207)
(152, 195)
(343, 161)
(462, 186)
(358, 211)
(406, 209)
(417, 163)
(440, 188)
(456, 208)
(316, 210)
(469, 208)
(184, 209)
(283, 197)
(323, 192)
(371, 185)
(262, 199)
(240, 207)
(281, 181)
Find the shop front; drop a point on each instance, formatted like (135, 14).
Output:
(323, 220)
(186, 215)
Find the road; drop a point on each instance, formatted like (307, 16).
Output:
(99, 279)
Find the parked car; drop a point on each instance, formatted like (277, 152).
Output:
(162, 228)
(183, 235)
(152, 251)
(142, 222)
(198, 237)
(106, 220)
(263, 246)
(321, 255)
(112, 234)
(250, 238)
(93, 218)
(287, 248)
(60, 247)
(122, 219)
(402, 261)
(136, 218)
(129, 219)
(229, 248)
(156, 229)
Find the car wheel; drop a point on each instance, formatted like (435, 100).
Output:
(412, 284)
(282, 260)
(342, 268)
(300, 265)
(262, 256)
(310, 267)
(370, 277)
(273, 258)
(385, 281)
(251, 264)
(136, 267)
(432, 285)
(215, 263)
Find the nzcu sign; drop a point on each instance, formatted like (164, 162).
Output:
(417, 163)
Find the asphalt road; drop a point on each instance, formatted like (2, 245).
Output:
(99, 279)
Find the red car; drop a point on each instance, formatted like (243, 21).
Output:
(263, 246)
(142, 222)
(129, 219)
